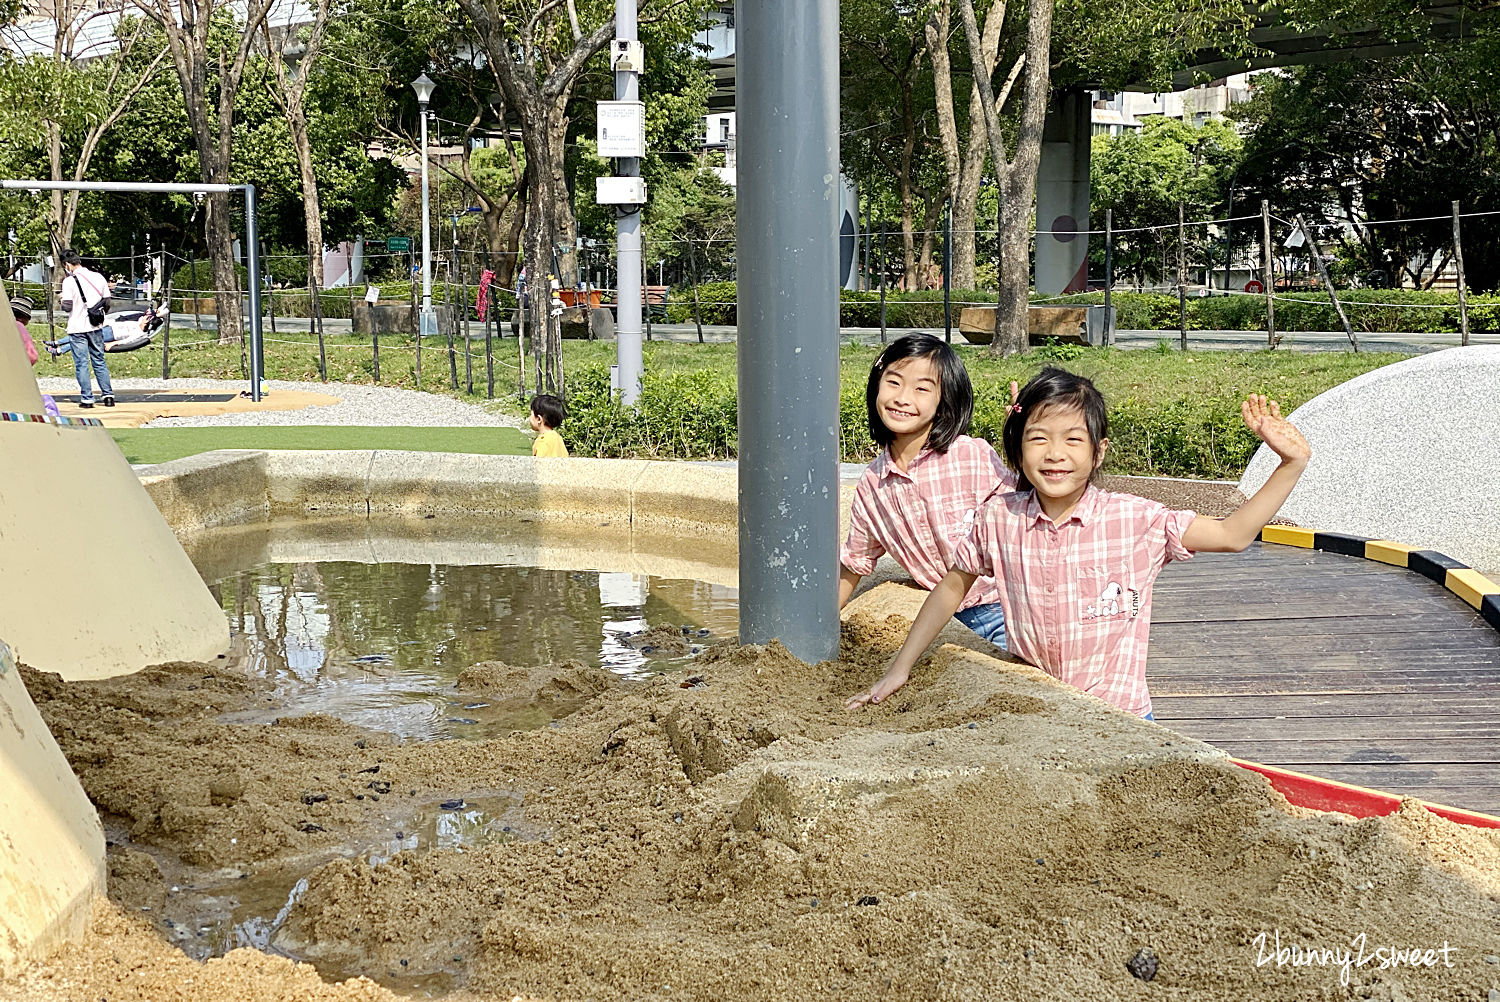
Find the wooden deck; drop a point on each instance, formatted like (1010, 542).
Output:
(1336, 666)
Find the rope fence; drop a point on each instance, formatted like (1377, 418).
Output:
(1284, 271)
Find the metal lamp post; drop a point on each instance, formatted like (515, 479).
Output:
(427, 323)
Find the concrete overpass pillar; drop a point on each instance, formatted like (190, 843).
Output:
(1062, 196)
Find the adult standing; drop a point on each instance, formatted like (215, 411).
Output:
(85, 294)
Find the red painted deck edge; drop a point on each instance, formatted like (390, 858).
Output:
(1331, 795)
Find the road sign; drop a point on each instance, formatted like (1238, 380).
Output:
(395, 244)
(1254, 286)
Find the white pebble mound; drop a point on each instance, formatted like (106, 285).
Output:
(1409, 452)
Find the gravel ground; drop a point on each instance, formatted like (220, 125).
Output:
(361, 405)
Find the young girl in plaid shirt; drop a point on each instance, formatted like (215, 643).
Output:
(1075, 564)
(918, 499)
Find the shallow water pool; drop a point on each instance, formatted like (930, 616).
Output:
(380, 642)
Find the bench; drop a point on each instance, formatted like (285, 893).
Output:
(653, 297)
(1069, 324)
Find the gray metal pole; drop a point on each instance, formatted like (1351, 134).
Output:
(788, 324)
(252, 241)
(423, 321)
(1109, 275)
(948, 270)
(628, 235)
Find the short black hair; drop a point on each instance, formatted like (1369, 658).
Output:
(954, 410)
(71, 256)
(1053, 387)
(550, 409)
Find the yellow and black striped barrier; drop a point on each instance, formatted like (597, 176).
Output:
(1458, 577)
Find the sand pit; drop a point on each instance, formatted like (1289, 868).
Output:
(729, 832)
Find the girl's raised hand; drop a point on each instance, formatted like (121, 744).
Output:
(1263, 417)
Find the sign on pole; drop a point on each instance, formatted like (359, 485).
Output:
(622, 129)
(398, 244)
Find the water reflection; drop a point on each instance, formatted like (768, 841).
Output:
(381, 644)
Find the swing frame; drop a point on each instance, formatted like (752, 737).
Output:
(252, 240)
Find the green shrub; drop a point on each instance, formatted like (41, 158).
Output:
(1370, 311)
(286, 267)
(716, 304)
(690, 414)
(681, 415)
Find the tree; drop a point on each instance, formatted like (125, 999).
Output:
(202, 36)
(964, 157)
(1015, 172)
(1143, 175)
(1385, 139)
(290, 91)
(888, 113)
(537, 55)
(77, 92)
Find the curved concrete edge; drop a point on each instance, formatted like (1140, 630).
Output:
(698, 556)
(1459, 578)
(215, 488)
(51, 844)
(233, 487)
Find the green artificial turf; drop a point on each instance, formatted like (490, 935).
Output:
(158, 445)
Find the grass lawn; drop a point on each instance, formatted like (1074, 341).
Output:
(1148, 377)
(158, 445)
(1175, 412)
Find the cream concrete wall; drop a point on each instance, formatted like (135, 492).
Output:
(96, 583)
(666, 519)
(216, 488)
(235, 487)
(1409, 451)
(51, 845)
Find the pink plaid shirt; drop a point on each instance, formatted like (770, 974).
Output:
(1077, 596)
(920, 515)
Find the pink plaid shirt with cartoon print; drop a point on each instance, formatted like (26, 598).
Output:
(920, 515)
(1077, 596)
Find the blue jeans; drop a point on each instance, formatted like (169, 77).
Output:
(986, 620)
(88, 350)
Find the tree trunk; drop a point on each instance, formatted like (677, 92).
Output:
(564, 222)
(297, 123)
(965, 169)
(505, 242)
(931, 218)
(1015, 276)
(540, 238)
(1016, 176)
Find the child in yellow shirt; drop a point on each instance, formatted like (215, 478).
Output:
(547, 414)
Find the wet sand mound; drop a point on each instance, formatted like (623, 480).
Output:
(559, 684)
(729, 832)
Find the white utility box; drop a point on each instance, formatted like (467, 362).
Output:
(620, 191)
(622, 129)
